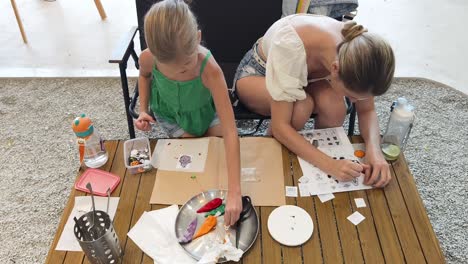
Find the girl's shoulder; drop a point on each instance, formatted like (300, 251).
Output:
(208, 62)
(210, 69)
(146, 60)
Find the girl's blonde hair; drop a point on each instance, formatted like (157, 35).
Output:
(171, 30)
(366, 61)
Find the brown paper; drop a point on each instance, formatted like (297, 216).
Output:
(263, 154)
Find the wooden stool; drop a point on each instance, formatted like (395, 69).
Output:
(100, 9)
(18, 19)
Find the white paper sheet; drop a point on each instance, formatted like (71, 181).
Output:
(154, 234)
(326, 197)
(318, 182)
(360, 202)
(356, 218)
(303, 190)
(167, 153)
(291, 191)
(83, 204)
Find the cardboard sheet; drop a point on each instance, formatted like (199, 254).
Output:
(261, 158)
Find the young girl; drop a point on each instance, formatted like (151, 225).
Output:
(307, 64)
(184, 87)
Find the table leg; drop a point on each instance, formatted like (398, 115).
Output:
(99, 7)
(18, 19)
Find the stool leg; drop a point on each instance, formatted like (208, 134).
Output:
(99, 7)
(18, 19)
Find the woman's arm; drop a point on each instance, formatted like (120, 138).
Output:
(281, 114)
(144, 81)
(213, 78)
(370, 131)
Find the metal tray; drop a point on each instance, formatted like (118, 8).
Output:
(198, 247)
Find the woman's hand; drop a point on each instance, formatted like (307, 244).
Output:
(346, 170)
(379, 173)
(144, 121)
(233, 208)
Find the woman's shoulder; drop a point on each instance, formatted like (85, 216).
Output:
(318, 31)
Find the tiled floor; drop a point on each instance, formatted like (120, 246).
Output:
(68, 38)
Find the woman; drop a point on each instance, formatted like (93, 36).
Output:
(307, 64)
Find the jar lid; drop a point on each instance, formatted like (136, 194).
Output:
(82, 126)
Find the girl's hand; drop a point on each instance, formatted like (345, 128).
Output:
(379, 174)
(143, 121)
(346, 170)
(233, 208)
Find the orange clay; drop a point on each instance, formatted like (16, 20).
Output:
(206, 227)
(359, 153)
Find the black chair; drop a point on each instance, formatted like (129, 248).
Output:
(229, 29)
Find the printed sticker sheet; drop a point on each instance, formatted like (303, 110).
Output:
(334, 143)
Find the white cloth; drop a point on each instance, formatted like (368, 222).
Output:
(218, 250)
(286, 65)
(154, 234)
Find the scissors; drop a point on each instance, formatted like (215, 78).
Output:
(245, 213)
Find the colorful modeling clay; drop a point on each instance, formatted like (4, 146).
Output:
(359, 153)
(213, 204)
(206, 227)
(213, 212)
(188, 234)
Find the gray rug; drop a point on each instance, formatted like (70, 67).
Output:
(39, 160)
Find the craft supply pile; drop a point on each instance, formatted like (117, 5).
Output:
(137, 155)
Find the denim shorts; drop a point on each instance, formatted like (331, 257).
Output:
(173, 130)
(251, 65)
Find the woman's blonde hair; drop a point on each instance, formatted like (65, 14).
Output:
(366, 61)
(171, 30)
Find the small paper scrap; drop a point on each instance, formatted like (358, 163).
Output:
(304, 179)
(303, 190)
(326, 197)
(360, 202)
(356, 218)
(291, 191)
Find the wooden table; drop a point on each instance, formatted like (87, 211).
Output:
(396, 228)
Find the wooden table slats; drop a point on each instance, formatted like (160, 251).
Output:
(396, 229)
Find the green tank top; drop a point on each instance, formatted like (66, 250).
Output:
(189, 104)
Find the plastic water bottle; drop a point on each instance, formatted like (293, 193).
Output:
(90, 144)
(398, 128)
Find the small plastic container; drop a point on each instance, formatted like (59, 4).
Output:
(100, 181)
(139, 144)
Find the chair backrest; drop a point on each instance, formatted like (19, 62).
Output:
(229, 27)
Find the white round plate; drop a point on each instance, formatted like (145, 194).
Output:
(290, 225)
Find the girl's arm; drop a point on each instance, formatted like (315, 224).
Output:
(370, 131)
(281, 114)
(213, 78)
(144, 81)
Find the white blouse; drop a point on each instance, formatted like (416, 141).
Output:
(286, 65)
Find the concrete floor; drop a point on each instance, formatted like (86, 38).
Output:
(68, 39)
